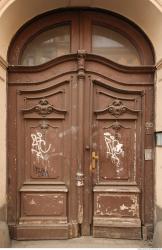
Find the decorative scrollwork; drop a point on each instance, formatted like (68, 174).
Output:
(43, 108)
(116, 126)
(116, 108)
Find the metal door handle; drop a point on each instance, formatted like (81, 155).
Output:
(94, 159)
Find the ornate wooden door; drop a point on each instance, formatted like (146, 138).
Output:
(46, 143)
(116, 153)
(80, 145)
(117, 141)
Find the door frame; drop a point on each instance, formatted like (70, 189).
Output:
(141, 42)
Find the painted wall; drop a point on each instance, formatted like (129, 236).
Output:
(3, 168)
(147, 14)
(158, 153)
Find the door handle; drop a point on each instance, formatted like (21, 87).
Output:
(94, 160)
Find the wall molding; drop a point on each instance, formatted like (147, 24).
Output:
(159, 64)
(3, 63)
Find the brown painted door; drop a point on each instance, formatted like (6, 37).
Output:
(80, 145)
(116, 166)
(114, 152)
(79, 156)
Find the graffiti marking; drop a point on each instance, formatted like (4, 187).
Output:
(114, 148)
(37, 146)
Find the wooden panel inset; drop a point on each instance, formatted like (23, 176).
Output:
(116, 205)
(43, 204)
(46, 151)
(119, 164)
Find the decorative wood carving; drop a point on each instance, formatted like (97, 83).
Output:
(116, 126)
(43, 108)
(117, 108)
(81, 63)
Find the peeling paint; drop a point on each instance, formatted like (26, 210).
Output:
(123, 207)
(134, 207)
(32, 202)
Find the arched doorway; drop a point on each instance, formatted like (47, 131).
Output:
(80, 133)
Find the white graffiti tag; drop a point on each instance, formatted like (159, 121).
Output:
(114, 148)
(37, 145)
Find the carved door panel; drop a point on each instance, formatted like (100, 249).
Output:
(78, 164)
(116, 161)
(45, 204)
(80, 127)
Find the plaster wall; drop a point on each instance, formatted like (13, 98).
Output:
(3, 167)
(158, 150)
(147, 14)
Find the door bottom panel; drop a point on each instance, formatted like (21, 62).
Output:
(45, 232)
(117, 232)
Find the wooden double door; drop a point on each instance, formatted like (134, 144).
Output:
(80, 149)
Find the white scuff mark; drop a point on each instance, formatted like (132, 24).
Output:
(75, 86)
(72, 130)
(114, 148)
(37, 145)
(32, 202)
(123, 207)
(99, 206)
